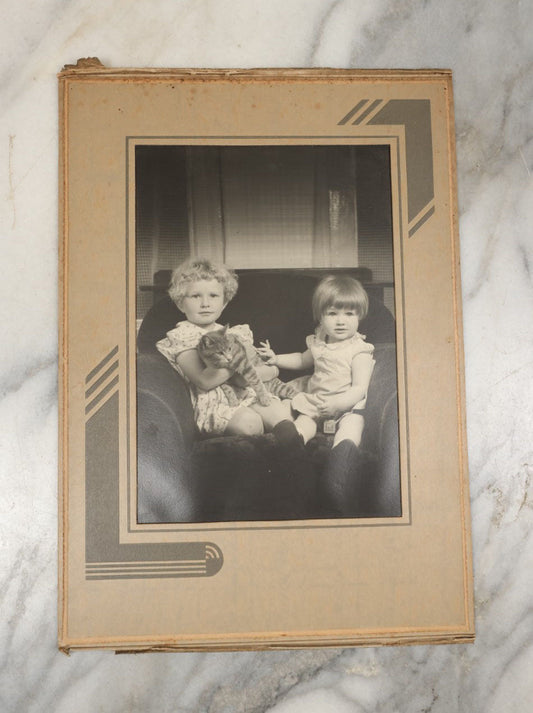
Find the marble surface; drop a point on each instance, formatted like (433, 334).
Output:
(487, 43)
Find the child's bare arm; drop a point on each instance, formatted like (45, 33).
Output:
(294, 361)
(205, 377)
(362, 367)
(267, 371)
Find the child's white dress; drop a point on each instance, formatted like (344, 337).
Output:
(332, 371)
(212, 411)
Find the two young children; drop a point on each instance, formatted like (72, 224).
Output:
(341, 360)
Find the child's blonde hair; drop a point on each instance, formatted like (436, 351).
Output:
(196, 269)
(341, 292)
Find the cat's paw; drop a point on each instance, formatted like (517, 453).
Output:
(265, 400)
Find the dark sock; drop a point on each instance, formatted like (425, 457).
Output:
(286, 434)
(343, 478)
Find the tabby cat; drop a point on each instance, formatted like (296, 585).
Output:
(223, 350)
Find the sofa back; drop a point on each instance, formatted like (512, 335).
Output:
(277, 306)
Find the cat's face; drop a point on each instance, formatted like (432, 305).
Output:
(218, 348)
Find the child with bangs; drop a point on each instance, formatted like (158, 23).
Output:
(342, 363)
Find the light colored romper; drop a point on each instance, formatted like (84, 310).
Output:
(332, 371)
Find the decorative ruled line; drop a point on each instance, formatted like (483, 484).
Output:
(177, 569)
(422, 220)
(101, 364)
(367, 112)
(374, 112)
(101, 387)
(145, 563)
(144, 569)
(135, 570)
(146, 576)
(101, 395)
(101, 380)
(352, 113)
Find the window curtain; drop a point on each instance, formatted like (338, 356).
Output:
(273, 206)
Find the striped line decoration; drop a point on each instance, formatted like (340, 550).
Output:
(415, 117)
(353, 112)
(362, 112)
(419, 220)
(158, 569)
(150, 570)
(101, 381)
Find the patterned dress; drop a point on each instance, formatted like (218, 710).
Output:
(212, 411)
(332, 371)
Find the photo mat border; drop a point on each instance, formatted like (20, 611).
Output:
(394, 112)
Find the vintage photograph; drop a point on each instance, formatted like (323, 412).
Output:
(266, 333)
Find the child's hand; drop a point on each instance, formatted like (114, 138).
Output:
(267, 354)
(327, 406)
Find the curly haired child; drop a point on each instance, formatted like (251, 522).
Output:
(201, 289)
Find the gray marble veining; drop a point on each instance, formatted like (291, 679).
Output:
(487, 43)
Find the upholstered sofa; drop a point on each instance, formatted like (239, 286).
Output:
(185, 478)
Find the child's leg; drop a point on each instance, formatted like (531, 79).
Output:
(279, 411)
(306, 426)
(347, 484)
(277, 418)
(351, 428)
(273, 413)
(244, 422)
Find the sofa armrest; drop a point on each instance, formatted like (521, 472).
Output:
(380, 437)
(382, 388)
(165, 437)
(388, 486)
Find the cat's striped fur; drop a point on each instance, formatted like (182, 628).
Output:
(221, 349)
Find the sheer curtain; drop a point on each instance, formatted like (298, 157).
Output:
(273, 206)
